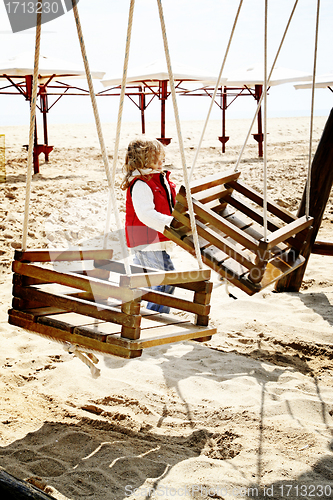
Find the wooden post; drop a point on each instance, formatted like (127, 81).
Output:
(321, 183)
(131, 308)
(202, 296)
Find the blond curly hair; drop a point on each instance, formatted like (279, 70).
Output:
(141, 154)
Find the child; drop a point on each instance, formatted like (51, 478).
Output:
(150, 198)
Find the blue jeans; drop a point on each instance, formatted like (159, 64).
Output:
(158, 260)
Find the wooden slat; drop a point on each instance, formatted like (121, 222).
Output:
(67, 321)
(323, 248)
(51, 255)
(220, 242)
(150, 321)
(18, 279)
(33, 314)
(20, 304)
(200, 286)
(225, 226)
(281, 266)
(221, 268)
(99, 331)
(88, 284)
(252, 229)
(164, 278)
(215, 254)
(213, 180)
(251, 212)
(212, 194)
(175, 302)
(289, 230)
(220, 223)
(78, 305)
(253, 195)
(258, 217)
(163, 335)
(119, 267)
(81, 341)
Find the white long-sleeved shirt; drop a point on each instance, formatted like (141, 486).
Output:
(144, 206)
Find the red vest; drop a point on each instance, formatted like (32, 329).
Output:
(138, 233)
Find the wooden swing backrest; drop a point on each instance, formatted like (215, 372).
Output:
(230, 226)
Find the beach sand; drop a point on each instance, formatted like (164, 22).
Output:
(247, 414)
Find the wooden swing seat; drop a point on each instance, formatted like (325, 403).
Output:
(229, 223)
(97, 308)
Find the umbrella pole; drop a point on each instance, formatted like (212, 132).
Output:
(259, 137)
(163, 98)
(223, 139)
(142, 109)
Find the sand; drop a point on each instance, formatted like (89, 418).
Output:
(247, 414)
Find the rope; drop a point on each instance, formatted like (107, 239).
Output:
(87, 358)
(215, 90)
(121, 106)
(31, 132)
(180, 140)
(308, 182)
(101, 138)
(265, 129)
(269, 77)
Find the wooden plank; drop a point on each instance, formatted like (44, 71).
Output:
(51, 255)
(289, 230)
(253, 195)
(33, 314)
(98, 331)
(20, 304)
(225, 226)
(150, 321)
(212, 194)
(83, 342)
(215, 254)
(221, 268)
(80, 306)
(118, 267)
(281, 266)
(323, 248)
(19, 279)
(175, 302)
(66, 321)
(221, 243)
(164, 278)
(201, 286)
(213, 180)
(163, 335)
(88, 284)
(253, 229)
(251, 212)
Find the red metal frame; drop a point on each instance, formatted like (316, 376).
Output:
(24, 87)
(233, 92)
(142, 90)
(145, 88)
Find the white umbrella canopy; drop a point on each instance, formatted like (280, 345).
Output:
(322, 82)
(23, 64)
(158, 71)
(254, 75)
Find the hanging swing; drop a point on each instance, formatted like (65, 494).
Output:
(98, 309)
(250, 247)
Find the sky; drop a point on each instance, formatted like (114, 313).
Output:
(198, 33)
